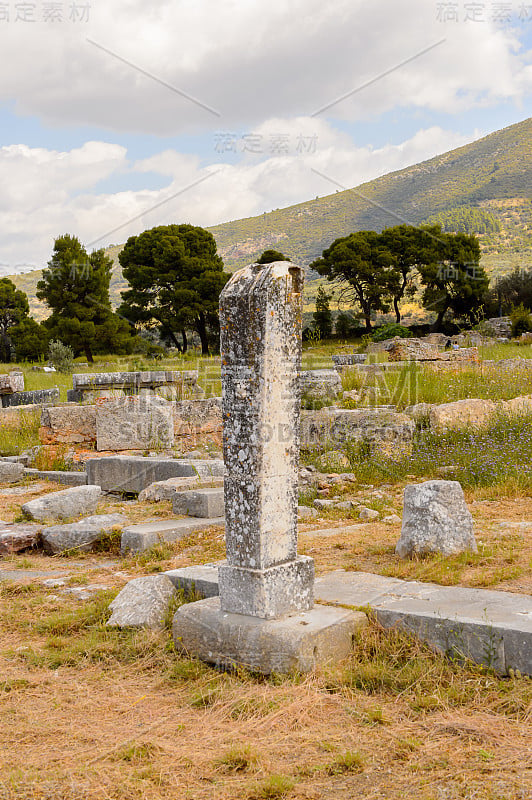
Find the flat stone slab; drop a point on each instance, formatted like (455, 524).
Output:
(57, 476)
(296, 643)
(489, 627)
(165, 490)
(131, 474)
(142, 536)
(492, 628)
(199, 503)
(10, 472)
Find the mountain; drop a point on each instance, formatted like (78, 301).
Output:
(484, 188)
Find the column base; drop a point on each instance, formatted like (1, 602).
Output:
(297, 643)
(268, 593)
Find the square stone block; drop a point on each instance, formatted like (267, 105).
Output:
(296, 643)
(270, 593)
(199, 503)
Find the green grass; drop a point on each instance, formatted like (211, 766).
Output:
(24, 436)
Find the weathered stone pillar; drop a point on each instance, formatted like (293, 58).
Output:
(265, 617)
(260, 323)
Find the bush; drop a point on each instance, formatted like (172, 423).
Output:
(390, 331)
(521, 320)
(61, 356)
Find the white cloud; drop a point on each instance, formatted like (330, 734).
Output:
(251, 61)
(51, 193)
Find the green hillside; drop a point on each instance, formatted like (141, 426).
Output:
(490, 179)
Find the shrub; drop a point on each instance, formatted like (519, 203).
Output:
(61, 356)
(521, 320)
(390, 331)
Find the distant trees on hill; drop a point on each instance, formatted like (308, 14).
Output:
(378, 270)
(466, 219)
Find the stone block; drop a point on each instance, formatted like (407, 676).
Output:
(462, 414)
(57, 476)
(140, 537)
(165, 490)
(435, 520)
(194, 417)
(268, 593)
(65, 504)
(201, 579)
(14, 382)
(132, 474)
(80, 536)
(10, 472)
(388, 433)
(199, 503)
(142, 603)
(68, 425)
(134, 423)
(39, 397)
(300, 642)
(321, 384)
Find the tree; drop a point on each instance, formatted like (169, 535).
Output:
(269, 256)
(457, 283)
(176, 278)
(322, 320)
(20, 335)
(511, 290)
(361, 263)
(76, 287)
(409, 251)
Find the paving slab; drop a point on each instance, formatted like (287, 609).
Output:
(490, 627)
(142, 536)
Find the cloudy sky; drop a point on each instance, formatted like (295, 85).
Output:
(118, 115)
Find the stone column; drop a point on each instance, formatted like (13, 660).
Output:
(260, 323)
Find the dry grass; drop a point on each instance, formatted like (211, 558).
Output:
(107, 714)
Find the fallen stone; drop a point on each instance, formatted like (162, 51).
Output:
(65, 504)
(10, 473)
(38, 397)
(15, 538)
(333, 461)
(132, 474)
(199, 503)
(435, 520)
(80, 536)
(344, 505)
(169, 384)
(142, 603)
(368, 514)
(391, 519)
(462, 414)
(305, 511)
(134, 423)
(140, 537)
(323, 505)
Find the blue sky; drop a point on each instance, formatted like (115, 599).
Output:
(228, 110)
